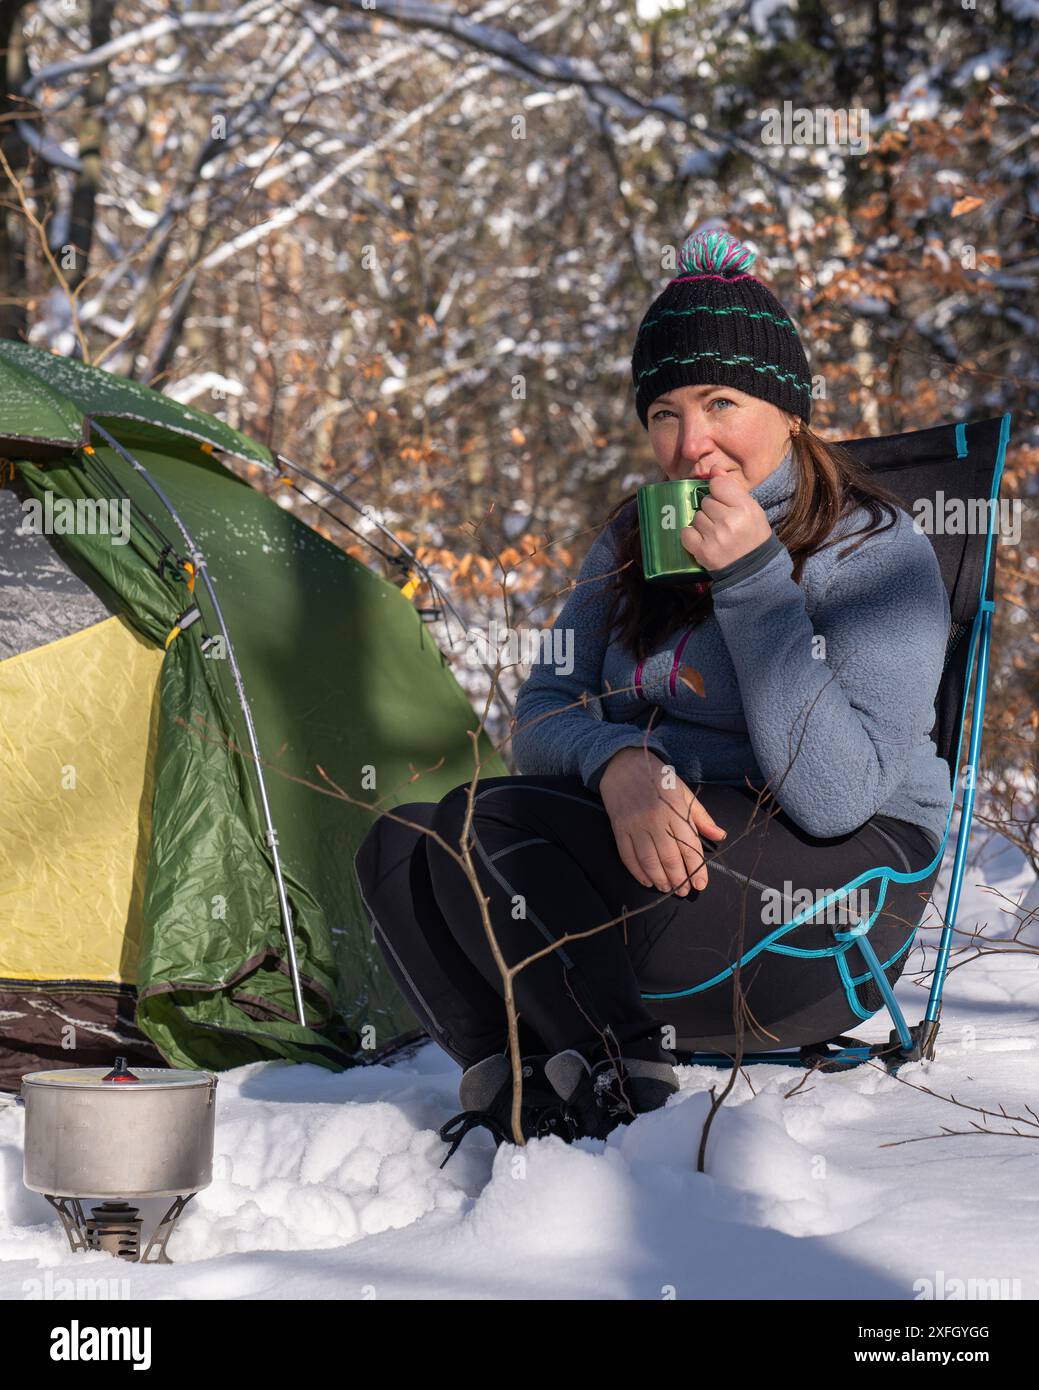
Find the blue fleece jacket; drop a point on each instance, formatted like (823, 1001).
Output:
(823, 689)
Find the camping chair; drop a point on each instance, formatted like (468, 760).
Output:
(960, 463)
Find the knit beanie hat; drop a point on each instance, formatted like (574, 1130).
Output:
(714, 324)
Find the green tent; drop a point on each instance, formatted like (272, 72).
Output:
(139, 902)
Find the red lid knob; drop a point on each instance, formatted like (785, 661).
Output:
(121, 1073)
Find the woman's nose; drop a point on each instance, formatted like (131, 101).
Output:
(694, 443)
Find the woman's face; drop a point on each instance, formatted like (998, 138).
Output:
(695, 428)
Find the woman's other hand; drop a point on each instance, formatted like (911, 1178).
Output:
(657, 827)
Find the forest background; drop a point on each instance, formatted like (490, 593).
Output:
(409, 245)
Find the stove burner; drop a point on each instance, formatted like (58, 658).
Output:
(116, 1227)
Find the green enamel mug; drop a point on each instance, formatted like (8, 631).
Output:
(664, 508)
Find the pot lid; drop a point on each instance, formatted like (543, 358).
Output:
(128, 1079)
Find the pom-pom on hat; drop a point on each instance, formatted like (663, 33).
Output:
(715, 323)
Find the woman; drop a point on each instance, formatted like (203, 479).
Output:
(716, 756)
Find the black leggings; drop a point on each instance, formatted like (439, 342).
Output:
(545, 855)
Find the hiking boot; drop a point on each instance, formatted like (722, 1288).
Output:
(485, 1094)
(599, 1092)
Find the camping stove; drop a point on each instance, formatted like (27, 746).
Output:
(118, 1135)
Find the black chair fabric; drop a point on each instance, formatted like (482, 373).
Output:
(946, 463)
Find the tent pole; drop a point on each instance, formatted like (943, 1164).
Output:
(198, 560)
(338, 493)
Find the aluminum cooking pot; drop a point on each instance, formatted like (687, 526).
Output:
(145, 1132)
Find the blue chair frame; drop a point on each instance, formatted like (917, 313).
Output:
(910, 1042)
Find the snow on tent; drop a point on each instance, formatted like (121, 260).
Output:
(145, 906)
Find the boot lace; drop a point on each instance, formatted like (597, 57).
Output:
(535, 1123)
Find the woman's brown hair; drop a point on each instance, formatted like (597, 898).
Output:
(830, 485)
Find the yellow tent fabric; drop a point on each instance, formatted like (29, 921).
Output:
(77, 730)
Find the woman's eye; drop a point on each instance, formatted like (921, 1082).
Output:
(718, 400)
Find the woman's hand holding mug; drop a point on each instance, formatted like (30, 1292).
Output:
(729, 523)
(657, 827)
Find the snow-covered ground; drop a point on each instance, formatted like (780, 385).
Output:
(329, 1186)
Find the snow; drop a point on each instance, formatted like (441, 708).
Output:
(329, 1186)
(762, 12)
(868, 304)
(650, 10)
(208, 383)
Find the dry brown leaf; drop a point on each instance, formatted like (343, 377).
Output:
(692, 679)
